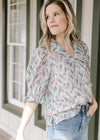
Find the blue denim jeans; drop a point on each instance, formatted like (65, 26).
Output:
(75, 128)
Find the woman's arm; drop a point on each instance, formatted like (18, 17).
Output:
(28, 111)
(93, 106)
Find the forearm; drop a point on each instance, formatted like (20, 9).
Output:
(93, 106)
(93, 99)
(28, 111)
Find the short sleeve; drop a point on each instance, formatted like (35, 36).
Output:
(87, 57)
(87, 61)
(86, 54)
(37, 76)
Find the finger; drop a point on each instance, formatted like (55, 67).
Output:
(90, 111)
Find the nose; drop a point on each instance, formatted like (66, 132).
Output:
(50, 20)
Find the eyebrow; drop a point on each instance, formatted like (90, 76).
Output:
(54, 12)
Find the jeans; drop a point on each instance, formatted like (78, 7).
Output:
(75, 128)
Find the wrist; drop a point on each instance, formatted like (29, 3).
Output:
(94, 102)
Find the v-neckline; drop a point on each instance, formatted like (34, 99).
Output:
(69, 54)
(60, 47)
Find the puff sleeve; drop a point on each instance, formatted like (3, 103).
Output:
(37, 76)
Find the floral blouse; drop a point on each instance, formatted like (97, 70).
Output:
(63, 84)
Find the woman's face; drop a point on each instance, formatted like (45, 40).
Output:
(56, 19)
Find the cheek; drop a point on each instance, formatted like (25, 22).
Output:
(47, 24)
(63, 22)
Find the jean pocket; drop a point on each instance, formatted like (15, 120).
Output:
(87, 107)
(88, 118)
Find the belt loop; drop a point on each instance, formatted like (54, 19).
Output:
(84, 108)
(87, 107)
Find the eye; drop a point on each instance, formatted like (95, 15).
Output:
(47, 17)
(56, 14)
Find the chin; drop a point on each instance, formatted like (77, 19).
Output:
(56, 33)
(53, 33)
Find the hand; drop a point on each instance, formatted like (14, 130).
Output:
(93, 107)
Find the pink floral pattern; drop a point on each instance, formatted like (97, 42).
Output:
(62, 84)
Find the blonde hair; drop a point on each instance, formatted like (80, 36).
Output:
(71, 34)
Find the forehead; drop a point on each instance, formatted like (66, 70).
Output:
(51, 8)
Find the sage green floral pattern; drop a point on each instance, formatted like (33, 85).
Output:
(63, 84)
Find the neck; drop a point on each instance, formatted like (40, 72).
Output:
(60, 40)
(70, 50)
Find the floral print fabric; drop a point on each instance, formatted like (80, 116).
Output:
(62, 84)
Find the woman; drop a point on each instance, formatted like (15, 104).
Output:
(58, 75)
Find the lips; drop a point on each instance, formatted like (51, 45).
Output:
(53, 26)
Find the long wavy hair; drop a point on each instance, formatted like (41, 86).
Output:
(71, 33)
